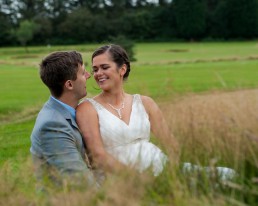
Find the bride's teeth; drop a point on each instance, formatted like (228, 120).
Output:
(101, 80)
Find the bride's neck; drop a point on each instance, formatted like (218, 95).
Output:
(114, 98)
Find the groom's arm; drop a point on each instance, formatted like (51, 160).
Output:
(62, 150)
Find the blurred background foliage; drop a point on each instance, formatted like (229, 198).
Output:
(63, 22)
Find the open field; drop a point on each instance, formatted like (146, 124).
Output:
(161, 69)
(208, 93)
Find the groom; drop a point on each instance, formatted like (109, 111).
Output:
(57, 147)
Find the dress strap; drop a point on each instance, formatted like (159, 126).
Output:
(138, 101)
(137, 97)
(96, 105)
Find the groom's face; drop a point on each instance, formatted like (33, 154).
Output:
(80, 83)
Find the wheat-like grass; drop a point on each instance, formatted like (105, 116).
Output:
(212, 129)
(217, 125)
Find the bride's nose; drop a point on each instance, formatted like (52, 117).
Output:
(99, 72)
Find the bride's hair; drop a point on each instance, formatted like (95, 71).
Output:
(118, 55)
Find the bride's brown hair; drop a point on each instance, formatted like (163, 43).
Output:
(118, 55)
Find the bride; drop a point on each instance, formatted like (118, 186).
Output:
(116, 125)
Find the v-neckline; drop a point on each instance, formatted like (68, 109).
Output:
(117, 116)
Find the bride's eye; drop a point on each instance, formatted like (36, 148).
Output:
(105, 67)
(94, 70)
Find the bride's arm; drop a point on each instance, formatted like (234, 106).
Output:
(159, 127)
(88, 122)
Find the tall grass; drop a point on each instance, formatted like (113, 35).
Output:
(205, 120)
(204, 92)
(218, 129)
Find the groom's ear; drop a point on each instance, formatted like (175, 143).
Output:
(68, 85)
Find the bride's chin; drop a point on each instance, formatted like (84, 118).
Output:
(104, 88)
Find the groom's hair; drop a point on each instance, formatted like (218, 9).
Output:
(57, 68)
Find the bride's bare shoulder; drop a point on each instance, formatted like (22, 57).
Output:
(85, 105)
(147, 100)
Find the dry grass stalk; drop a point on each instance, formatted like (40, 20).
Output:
(218, 125)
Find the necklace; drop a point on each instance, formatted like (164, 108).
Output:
(118, 110)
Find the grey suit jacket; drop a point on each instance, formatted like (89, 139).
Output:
(56, 142)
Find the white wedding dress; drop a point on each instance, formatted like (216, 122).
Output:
(130, 144)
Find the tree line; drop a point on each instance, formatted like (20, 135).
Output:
(38, 22)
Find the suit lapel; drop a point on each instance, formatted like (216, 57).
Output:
(72, 121)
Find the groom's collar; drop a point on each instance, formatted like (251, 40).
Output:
(69, 108)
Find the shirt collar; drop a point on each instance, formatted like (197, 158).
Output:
(69, 108)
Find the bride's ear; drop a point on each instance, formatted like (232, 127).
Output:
(123, 70)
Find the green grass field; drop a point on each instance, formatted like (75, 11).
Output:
(163, 71)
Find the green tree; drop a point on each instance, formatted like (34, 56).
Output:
(8, 8)
(138, 25)
(5, 26)
(164, 23)
(220, 21)
(141, 3)
(236, 19)
(25, 32)
(44, 32)
(242, 18)
(88, 27)
(163, 2)
(190, 18)
(28, 9)
(90, 4)
(127, 44)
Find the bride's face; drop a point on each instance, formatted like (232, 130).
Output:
(106, 73)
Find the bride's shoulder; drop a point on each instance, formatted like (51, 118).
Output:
(86, 104)
(87, 100)
(146, 99)
(147, 102)
(84, 101)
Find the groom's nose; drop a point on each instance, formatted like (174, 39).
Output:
(87, 74)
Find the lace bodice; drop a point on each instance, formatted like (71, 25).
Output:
(130, 143)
